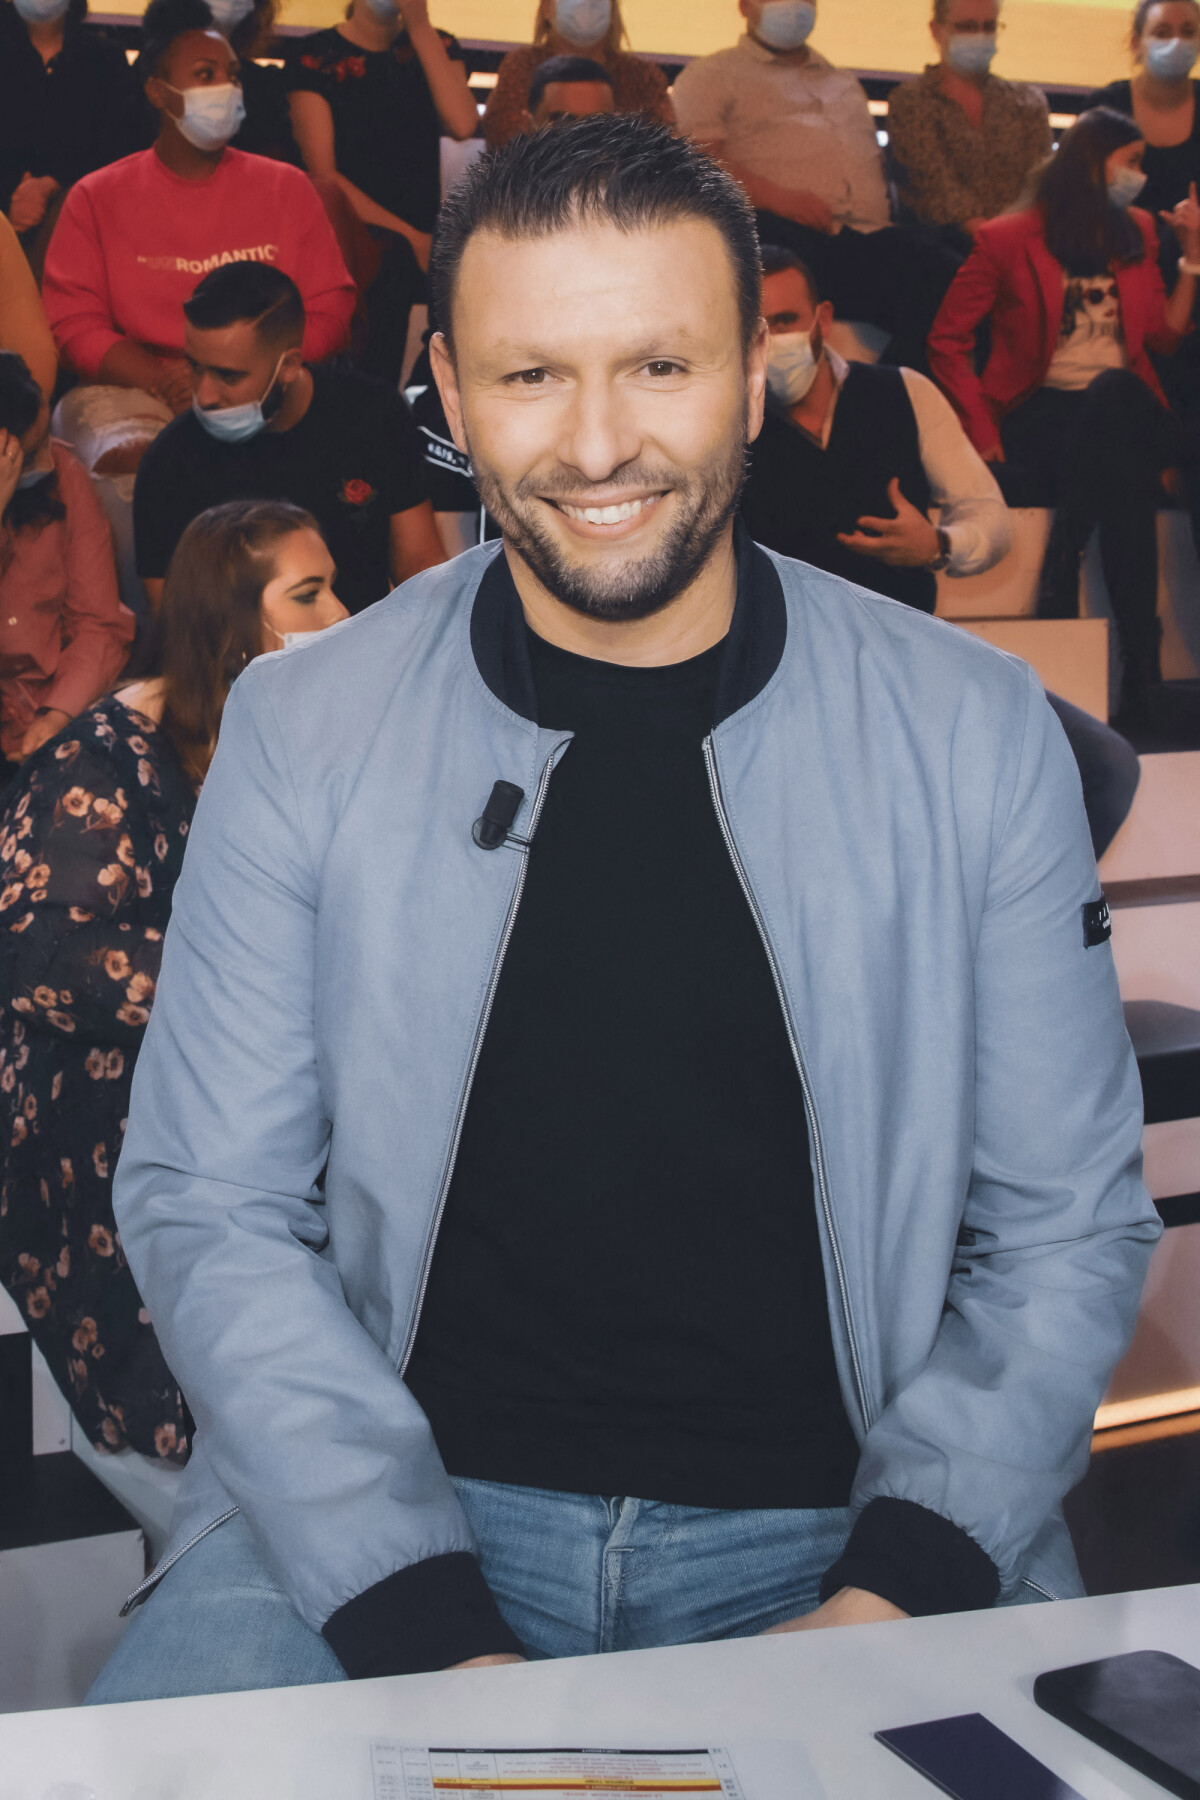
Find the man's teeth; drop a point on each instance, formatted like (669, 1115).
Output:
(607, 515)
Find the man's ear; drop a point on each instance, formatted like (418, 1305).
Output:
(825, 318)
(527, 123)
(291, 365)
(756, 380)
(442, 364)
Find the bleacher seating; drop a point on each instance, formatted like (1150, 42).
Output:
(1151, 875)
(1067, 654)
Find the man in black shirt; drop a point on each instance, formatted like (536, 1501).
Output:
(850, 459)
(263, 426)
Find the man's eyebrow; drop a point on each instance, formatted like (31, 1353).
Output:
(514, 355)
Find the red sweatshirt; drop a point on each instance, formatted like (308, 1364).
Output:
(133, 240)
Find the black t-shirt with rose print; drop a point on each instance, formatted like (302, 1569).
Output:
(353, 460)
(386, 129)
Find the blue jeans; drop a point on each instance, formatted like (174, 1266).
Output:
(572, 1573)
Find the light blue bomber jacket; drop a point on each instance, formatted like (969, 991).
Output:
(905, 816)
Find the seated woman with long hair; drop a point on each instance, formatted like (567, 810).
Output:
(92, 838)
(1069, 405)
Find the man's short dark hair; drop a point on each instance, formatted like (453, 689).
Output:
(619, 169)
(248, 292)
(163, 22)
(564, 68)
(775, 260)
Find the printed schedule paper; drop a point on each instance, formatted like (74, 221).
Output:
(403, 1772)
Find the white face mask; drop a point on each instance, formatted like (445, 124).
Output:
(582, 22)
(972, 55)
(1168, 58)
(786, 24)
(228, 14)
(41, 12)
(1125, 186)
(792, 366)
(288, 640)
(236, 424)
(211, 115)
(386, 10)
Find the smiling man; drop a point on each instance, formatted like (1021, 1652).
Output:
(636, 1141)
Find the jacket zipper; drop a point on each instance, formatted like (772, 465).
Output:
(476, 1048)
(714, 785)
(155, 1576)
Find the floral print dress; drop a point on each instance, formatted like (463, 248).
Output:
(92, 836)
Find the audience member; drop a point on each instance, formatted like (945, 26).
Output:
(965, 144)
(264, 426)
(132, 238)
(851, 458)
(64, 635)
(1161, 98)
(23, 326)
(568, 87)
(91, 841)
(798, 135)
(1069, 406)
(574, 28)
(370, 99)
(68, 104)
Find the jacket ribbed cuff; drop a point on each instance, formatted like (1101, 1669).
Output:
(429, 1616)
(915, 1559)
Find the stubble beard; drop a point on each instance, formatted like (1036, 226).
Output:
(706, 499)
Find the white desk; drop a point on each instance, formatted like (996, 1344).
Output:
(825, 1691)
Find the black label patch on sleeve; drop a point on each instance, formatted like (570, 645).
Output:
(1097, 923)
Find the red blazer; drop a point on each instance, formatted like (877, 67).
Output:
(1012, 276)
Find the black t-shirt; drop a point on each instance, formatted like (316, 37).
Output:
(64, 118)
(798, 496)
(267, 127)
(627, 1294)
(1170, 168)
(353, 460)
(386, 127)
(447, 468)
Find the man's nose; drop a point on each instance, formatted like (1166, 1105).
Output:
(207, 392)
(600, 433)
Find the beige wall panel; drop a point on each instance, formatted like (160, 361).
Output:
(1067, 42)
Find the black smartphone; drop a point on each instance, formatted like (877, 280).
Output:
(971, 1759)
(1144, 1707)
